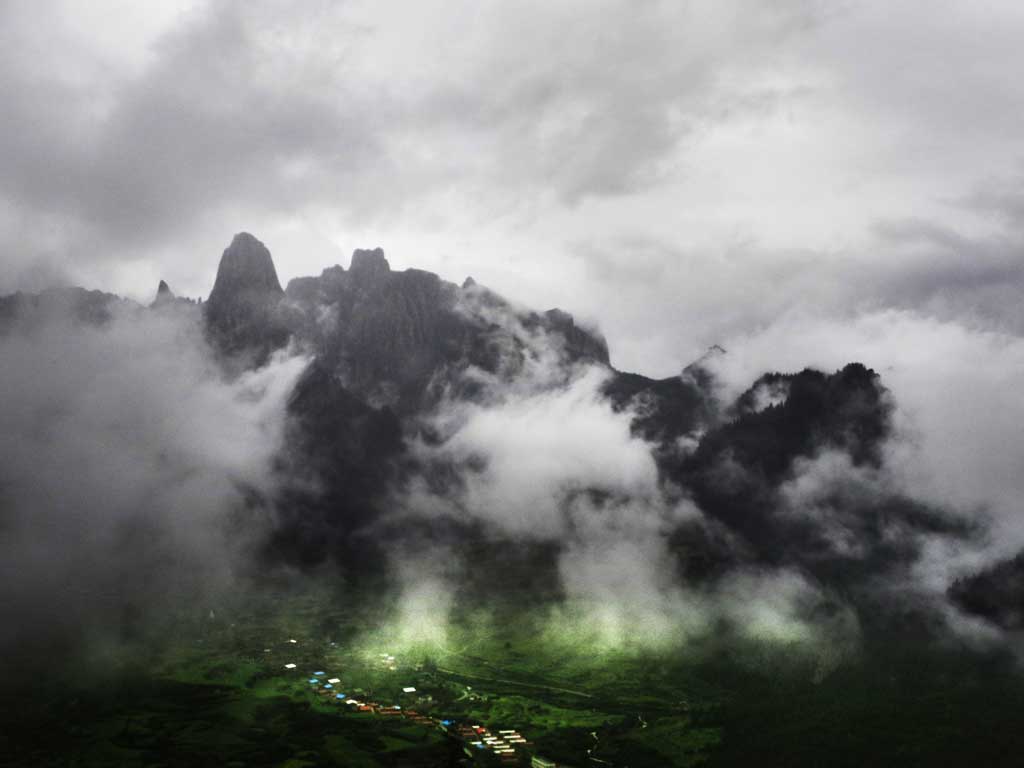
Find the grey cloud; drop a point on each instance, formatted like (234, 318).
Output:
(250, 107)
(467, 113)
(588, 100)
(705, 296)
(1001, 197)
(220, 116)
(932, 267)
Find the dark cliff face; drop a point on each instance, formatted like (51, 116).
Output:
(390, 349)
(803, 414)
(243, 316)
(739, 469)
(995, 593)
(387, 347)
(246, 269)
(402, 339)
(342, 459)
(383, 334)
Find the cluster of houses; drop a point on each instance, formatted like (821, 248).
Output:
(506, 746)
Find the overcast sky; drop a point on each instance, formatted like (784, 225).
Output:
(680, 173)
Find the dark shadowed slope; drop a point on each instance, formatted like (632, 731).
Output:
(243, 312)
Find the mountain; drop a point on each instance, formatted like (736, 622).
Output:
(741, 474)
(391, 350)
(391, 347)
(81, 305)
(995, 593)
(399, 338)
(242, 315)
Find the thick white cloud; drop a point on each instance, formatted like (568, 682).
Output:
(527, 455)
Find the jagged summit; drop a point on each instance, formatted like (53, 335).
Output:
(395, 338)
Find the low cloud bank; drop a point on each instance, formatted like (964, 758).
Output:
(558, 466)
(881, 527)
(130, 467)
(123, 454)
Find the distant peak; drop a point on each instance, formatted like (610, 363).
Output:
(369, 263)
(469, 282)
(164, 294)
(246, 265)
(242, 315)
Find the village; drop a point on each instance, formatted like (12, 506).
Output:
(476, 700)
(480, 744)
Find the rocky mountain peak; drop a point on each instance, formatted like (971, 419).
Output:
(242, 313)
(368, 264)
(246, 267)
(164, 294)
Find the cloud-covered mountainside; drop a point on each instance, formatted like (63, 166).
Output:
(436, 440)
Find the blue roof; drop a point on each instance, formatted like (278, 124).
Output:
(328, 686)
(447, 722)
(339, 696)
(313, 680)
(318, 673)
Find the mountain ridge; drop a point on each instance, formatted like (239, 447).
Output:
(389, 350)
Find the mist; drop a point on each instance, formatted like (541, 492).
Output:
(139, 473)
(956, 391)
(128, 460)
